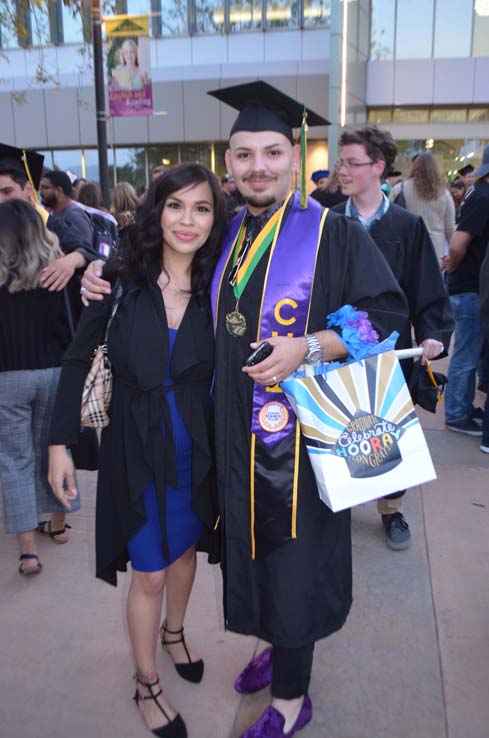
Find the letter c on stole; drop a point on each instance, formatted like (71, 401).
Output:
(280, 304)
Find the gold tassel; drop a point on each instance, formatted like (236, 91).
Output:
(303, 144)
(29, 176)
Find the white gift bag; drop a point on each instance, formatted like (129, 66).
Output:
(360, 428)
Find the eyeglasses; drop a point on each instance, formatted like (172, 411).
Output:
(351, 165)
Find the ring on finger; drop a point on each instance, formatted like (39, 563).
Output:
(82, 290)
(274, 380)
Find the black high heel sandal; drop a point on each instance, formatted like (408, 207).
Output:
(176, 728)
(191, 672)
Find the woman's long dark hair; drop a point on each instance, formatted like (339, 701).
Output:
(140, 253)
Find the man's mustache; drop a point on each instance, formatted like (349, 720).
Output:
(259, 176)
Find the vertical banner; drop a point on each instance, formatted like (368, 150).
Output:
(128, 65)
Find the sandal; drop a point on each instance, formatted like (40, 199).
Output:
(58, 536)
(193, 670)
(175, 728)
(31, 570)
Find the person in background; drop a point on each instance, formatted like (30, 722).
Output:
(320, 177)
(426, 195)
(467, 250)
(158, 170)
(457, 191)
(56, 195)
(233, 202)
(329, 193)
(391, 179)
(34, 335)
(125, 203)
(154, 491)
(404, 241)
(484, 317)
(467, 176)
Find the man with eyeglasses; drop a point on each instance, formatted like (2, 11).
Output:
(403, 239)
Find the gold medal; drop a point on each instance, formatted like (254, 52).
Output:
(235, 324)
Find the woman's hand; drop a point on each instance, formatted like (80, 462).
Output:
(93, 287)
(61, 475)
(287, 355)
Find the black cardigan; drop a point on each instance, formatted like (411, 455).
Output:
(134, 448)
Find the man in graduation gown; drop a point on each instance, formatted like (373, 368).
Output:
(286, 557)
(403, 239)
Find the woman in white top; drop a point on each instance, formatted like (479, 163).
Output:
(425, 194)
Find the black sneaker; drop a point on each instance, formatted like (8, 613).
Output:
(397, 531)
(477, 413)
(467, 425)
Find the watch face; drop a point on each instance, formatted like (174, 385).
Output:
(314, 356)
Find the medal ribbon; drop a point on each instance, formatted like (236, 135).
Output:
(247, 265)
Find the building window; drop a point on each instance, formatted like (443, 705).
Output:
(245, 15)
(379, 116)
(414, 29)
(198, 153)
(209, 16)
(282, 14)
(173, 20)
(65, 159)
(410, 115)
(382, 29)
(127, 165)
(8, 34)
(317, 13)
(448, 115)
(481, 28)
(72, 25)
(480, 115)
(453, 27)
(166, 154)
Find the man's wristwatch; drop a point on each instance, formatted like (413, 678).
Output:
(315, 351)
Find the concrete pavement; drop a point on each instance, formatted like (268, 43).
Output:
(411, 662)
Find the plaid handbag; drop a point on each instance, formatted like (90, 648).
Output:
(97, 390)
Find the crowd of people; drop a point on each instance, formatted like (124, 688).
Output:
(180, 286)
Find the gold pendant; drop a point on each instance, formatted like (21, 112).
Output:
(235, 324)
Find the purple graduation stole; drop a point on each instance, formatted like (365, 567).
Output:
(275, 431)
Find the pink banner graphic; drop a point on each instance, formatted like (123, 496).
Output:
(130, 90)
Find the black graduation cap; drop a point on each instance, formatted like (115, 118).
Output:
(25, 162)
(426, 386)
(466, 170)
(264, 108)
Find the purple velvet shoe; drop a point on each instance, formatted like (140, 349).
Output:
(271, 724)
(256, 675)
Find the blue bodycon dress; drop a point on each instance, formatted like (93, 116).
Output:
(183, 527)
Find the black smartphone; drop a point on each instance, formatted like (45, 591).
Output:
(259, 354)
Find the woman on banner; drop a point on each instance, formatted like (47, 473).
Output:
(128, 75)
(154, 496)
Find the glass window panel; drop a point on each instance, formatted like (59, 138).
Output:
(166, 154)
(382, 29)
(174, 20)
(475, 116)
(68, 159)
(209, 16)
(219, 154)
(449, 115)
(481, 28)
(446, 152)
(129, 167)
(91, 164)
(8, 35)
(282, 14)
(317, 13)
(138, 7)
(72, 25)
(409, 115)
(199, 153)
(379, 116)
(453, 26)
(414, 33)
(40, 33)
(245, 14)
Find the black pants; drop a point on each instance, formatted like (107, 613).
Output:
(291, 672)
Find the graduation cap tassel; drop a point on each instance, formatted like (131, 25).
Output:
(303, 145)
(29, 175)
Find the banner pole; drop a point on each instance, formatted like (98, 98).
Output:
(100, 102)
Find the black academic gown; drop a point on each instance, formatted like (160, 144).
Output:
(404, 241)
(137, 446)
(302, 591)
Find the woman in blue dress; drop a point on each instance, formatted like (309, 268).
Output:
(155, 501)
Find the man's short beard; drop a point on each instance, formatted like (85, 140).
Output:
(257, 201)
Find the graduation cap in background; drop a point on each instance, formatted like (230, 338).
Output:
(466, 170)
(319, 174)
(426, 386)
(264, 108)
(25, 162)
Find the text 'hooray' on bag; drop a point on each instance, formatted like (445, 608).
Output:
(360, 429)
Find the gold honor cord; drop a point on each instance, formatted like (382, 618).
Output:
(432, 377)
(246, 258)
(29, 175)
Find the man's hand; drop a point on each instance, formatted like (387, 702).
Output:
(56, 275)
(93, 287)
(431, 349)
(61, 475)
(287, 355)
(446, 264)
